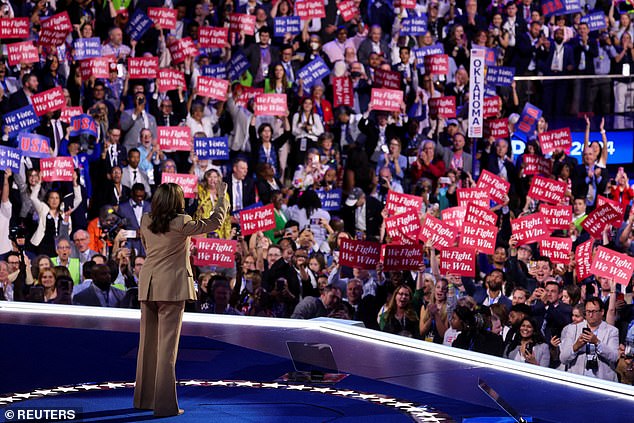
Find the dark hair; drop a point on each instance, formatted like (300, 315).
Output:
(168, 201)
(594, 300)
(309, 201)
(133, 150)
(262, 127)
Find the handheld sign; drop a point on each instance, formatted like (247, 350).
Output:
(557, 217)
(310, 9)
(436, 64)
(216, 148)
(440, 233)
(442, 107)
(214, 252)
(547, 190)
(421, 52)
(613, 265)
(174, 138)
(458, 261)
(163, 16)
(479, 237)
(48, 101)
(529, 229)
(34, 145)
(330, 200)
(98, 67)
(496, 186)
(14, 28)
(170, 79)
(497, 128)
(407, 223)
(20, 120)
(57, 169)
(22, 52)
(491, 106)
(287, 25)
(83, 124)
(479, 196)
(454, 216)
(313, 72)
(476, 94)
(387, 79)
(599, 218)
(240, 22)
(189, 183)
(558, 250)
(181, 49)
(342, 90)
(10, 158)
(386, 99)
(397, 203)
(138, 25)
(583, 259)
(595, 21)
(402, 257)
(500, 76)
(359, 254)
(347, 10)
(528, 121)
(271, 105)
(214, 88)
(476, 215)
(237, 66)
(143, 67)
(257, 219)
(215, 71)
(414, 26)
(86, 48)
(556, 139)
(212, 37)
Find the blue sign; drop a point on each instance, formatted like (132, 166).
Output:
(500, 75)
(420, 53)
(86, 48)
(287, 25)
(138, 25)
(560, 7)
(572, 6)
(330, 200)
(34, 145)
(237, 66)
(313, 72)
(22, 119)
(525, 127)
(216, 148)
(595, 21)
(416, 25)
(10, 159)
(489, 90)
(83, 124)
(215, 71)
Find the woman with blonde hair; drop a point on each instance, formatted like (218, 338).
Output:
(400, 316)
(207, 198)
(433, 317)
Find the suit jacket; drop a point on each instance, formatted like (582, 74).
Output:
(127, 211)
(525, 51)
(120, 157)
(591, 51)
(126, 179)
(365, 49)
(556, 317)
(580, 185)
(447, 156)
(168, 275)
(608, 355)
(133, 127)
(248, 192)
(373, 219)
(16, 101)
(254, 54)
(480, 295)
(567, 63)
(88, 297)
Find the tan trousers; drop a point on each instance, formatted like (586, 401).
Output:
(158, 346)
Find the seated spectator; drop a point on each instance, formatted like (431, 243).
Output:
(63, 258)
(218, 301)
(531, 347)
(312, 307)
(100, 293)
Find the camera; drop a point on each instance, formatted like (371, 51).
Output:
(140, 100)
(17, 232)
(355, 74)
(529, 348)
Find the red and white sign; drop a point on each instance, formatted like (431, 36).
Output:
(174, 138)
(557, 217)
(246, 94)
(271, 105)
(480, 237)
(98, 67)
(212, 37)
(553, 140)
(143, 67)
(407, 223)
(170, 79)
(215, 88)
(347, 9)
(529, 229)
(601, 200)
(359, 254)
(613, 265)
(163, 16)
(51, 37)
(547, 190)
(57, 169)
(310, 9)
(386, 99)
(477, 215)
(583, 259)
(69, 112)
(454, 216)
(497, 128)
(240, 22)
(22, 52)
(14, 28)
(343, 94)
(437, 64)
(408, 4)
(536, 165)
(189, 183)
(558, 250)
(181, 49)
(442, 107)
(59, 22)
(402, 257)
(458, 261)
(440, 233)
(48, 101)
(54, 30)
(214, 252)
(257, 219)
(479, 196)
(491, 106)
(387, 79)
(600, 217)
(497, 187)
(397, 203)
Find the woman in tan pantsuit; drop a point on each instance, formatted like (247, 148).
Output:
(165, 284)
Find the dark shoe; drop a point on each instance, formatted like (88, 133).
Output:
(180, 411)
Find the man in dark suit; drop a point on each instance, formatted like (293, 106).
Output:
(113, 152)
(100, 293)
(290, 66)
(528, 51)
(589, 180)
(372, 44)
(132, 211)
(361, 309)
(20, 98)
(471, 20)
(261, 56)
(493, 293)
(241, 189)
(559, 60)
(551, 314)
(377, 133)
(362, 213)
(585, 50)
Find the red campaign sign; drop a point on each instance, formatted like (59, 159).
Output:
(239, 22)
(271, 105)
(407, 223)
(189, 183)
(347, 9)
(59, 22)
(557, 217)
(442, 107)
(99, 67)
(387, 79)
(181, 49)
(22, 52)
(69, 112)
(402, 257)
(212, 37)
(536, 165)
(497, 128)
(310, 9)
(257, 219)
(163, 16)
(51, 37)
(583, 259)
(497, 187)
(214, 252)
(246, 94)
(386, 99)
(397, 203)
(601, 200)
(440, 233)
(553, 140)
(558, 250)
(529, 229)
(14, 28)
(458, 261)
(215, 88)
(48, 101)
(479, 237)
(359, 254)
(600, 217)
(170, 79)
(479, 196)
(143, 67)
(343, 93)
(547, 190)
(491, 107)
(476, 215)
(54, 30)
(613, 265)
(454, 216)
(56, 169)
(437, 64)
(174, 138)
(408, 4)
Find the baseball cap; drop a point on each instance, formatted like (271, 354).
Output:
(353, 197)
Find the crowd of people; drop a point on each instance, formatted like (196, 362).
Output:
(79, 242)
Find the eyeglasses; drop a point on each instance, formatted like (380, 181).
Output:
(13, 262)
(63, 247)
(593, 311)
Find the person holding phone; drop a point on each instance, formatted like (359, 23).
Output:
(530, 346)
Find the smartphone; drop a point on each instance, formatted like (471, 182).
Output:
(360, 235)
(620, 296)
(315, 221)
(529, 348)
(586, 330)
(129, 233)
